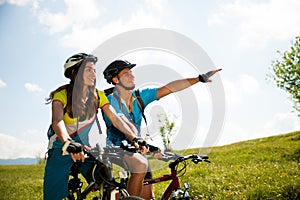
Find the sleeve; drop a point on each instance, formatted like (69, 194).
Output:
(148, 95)
(115, 104)
(103, 99)
(60, 96)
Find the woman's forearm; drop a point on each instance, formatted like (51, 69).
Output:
(60, 130)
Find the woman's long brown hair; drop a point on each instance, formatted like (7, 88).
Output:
(77, 107)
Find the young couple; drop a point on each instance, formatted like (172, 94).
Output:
(74, 107)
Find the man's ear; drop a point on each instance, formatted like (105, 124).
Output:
(115, 80)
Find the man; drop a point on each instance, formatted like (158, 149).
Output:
(124, 100)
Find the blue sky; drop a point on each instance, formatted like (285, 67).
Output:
(241, 36)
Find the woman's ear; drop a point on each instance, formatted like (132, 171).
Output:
(73, 73)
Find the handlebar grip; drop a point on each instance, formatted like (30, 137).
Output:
(200, 158)
(128, 147)
(204, 157)
(154, 149)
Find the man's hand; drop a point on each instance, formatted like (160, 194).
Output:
(74, 149)
(141, 144)
(204, 78)
(155, 151)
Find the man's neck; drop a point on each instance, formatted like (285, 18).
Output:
(126, 95)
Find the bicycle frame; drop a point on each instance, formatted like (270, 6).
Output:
(175, 183)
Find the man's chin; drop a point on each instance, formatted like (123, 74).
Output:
(130, 88)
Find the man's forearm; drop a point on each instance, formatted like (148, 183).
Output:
(176, 86)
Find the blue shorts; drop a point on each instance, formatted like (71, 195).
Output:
(56, 174)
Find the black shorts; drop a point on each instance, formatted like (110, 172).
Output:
(149, 172)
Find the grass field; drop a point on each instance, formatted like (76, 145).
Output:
(267, 168)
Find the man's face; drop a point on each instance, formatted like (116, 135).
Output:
(127, 78)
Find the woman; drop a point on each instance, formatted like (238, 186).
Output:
(74, 108)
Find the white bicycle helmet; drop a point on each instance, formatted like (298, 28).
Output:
(75, 61)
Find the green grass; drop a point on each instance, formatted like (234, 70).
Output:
(267, 168)
(21, 182)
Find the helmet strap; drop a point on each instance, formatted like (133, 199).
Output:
(123, 86)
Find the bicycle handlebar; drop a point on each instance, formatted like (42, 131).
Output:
(126, 148)
(114, 151)
(194, 157)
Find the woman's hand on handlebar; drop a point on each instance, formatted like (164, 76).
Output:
(80, 155)
(77, 156)
(74, 149)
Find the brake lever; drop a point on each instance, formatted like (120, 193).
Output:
(167, 156)
(199, 158)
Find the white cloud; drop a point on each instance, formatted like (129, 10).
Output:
(16, 2)
(232, 92)
(33, 132)
(158, 5)
(244, 85)
(33, 87)
(248, 84)
(233, 132)
(282, 123)
(260, 22)
(82, 31)
(78, 13)
(2, 84)
(11, 147)
(88, 38)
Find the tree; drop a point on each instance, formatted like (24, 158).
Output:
(166, 130)
(40, 160)
(287, 73)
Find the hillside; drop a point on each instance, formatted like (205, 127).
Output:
(18, 161)
(267, 168)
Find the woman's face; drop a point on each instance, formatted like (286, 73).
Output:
(89, 74)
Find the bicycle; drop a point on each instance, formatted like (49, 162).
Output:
(101, 172)
(110, 189)
(174, 190)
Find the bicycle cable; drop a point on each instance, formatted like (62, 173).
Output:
(101, 176)
(179, 174)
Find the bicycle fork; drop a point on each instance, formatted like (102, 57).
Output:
(174, 190)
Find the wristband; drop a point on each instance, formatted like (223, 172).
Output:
(136, 139)
(203, 78)
(140, 141)
(71, 147)
(65, 146)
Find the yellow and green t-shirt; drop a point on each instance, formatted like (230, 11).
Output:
(77, 131)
